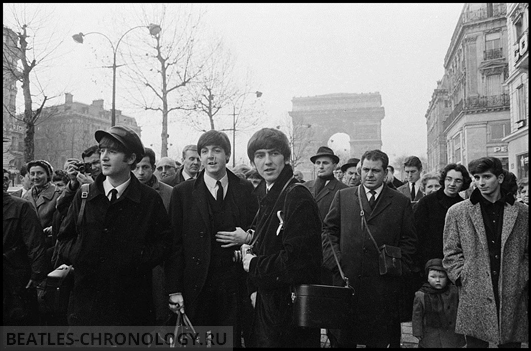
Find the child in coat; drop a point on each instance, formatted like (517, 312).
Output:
(435, 310)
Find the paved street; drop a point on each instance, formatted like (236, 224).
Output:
(408, 340)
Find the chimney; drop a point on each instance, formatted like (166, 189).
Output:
(69, 98)
(98, 103)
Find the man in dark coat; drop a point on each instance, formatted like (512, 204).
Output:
(390, 218)
(189, 169)
(24, 259)
(124, 233)
(286, 249)
(211, 216)
(411, 188)
(326, 185)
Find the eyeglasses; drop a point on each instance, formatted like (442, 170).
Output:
(160, 168)
(457, 181)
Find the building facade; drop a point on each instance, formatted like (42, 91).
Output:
(316, 119)
(66, 130)
(476, 65)
(438, 110)
(518, 85)
(12, 130)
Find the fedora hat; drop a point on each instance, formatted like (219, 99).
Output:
(125, 136)
(352, 162)
(325, 151)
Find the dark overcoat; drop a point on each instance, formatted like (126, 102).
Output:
(429, 214)
(326, 195)
(292, 257)
(404, 189)
(376, 299)
(113, 252)
(187, 267)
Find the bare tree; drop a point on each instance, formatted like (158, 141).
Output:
(169, 62)
(300, 136)
(32, 51)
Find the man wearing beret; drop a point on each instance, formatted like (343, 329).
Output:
(124, 232)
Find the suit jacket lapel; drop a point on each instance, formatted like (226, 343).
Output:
(200, 195)
(384, 200)
(326, 190)
(510, 213)
(477, 220)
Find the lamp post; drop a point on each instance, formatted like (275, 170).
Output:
(258, 94)
(154, 29)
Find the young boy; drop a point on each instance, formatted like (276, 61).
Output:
(435, 310)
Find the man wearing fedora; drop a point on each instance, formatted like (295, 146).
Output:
(124, 232)
(326, 185)
(351, 173)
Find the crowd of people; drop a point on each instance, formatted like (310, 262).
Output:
(145, 240)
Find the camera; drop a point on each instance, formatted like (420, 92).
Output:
(238, 254)
(83, 167)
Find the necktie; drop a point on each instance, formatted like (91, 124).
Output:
(114, 195)
(413, 191)
(372, 200)
(219, 195)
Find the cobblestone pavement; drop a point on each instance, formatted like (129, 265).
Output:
(408, 340)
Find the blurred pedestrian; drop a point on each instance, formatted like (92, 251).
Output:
(165, 169)
(430, 183)
(25, 182)
(351, 175)
(523, 191)
(412, 169)
(254, 177)
(24, 259)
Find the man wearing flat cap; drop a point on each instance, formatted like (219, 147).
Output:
(351, 176)
(124, 232)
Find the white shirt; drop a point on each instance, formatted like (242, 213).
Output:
(107, 187)
(213, 187)
(186, 176)
(369, 195)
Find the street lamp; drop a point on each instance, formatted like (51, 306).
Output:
(154, 29)
(258, 94)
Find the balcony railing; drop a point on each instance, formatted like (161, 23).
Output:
(483, 13)
(477, 103)
(492, 54)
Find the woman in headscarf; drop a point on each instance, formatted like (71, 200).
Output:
(43, 195)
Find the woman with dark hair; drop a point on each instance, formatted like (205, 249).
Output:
(430, 211)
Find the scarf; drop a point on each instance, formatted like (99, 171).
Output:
(434, 306)
(151, 181)
(320, 182)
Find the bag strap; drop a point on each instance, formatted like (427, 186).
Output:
(255, 238)
(84, 196)
(364, 221)
(343, 276)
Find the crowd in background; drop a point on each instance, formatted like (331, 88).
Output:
(170, 228)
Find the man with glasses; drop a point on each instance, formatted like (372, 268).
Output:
(166, 167)
(189, 169)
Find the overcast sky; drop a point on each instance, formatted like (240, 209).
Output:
(295, 50)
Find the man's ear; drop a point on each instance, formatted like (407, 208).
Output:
(131, 159)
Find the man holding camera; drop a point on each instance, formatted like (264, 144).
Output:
(210, 216)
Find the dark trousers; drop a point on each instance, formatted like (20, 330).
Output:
(219, 304)
(475, 343)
